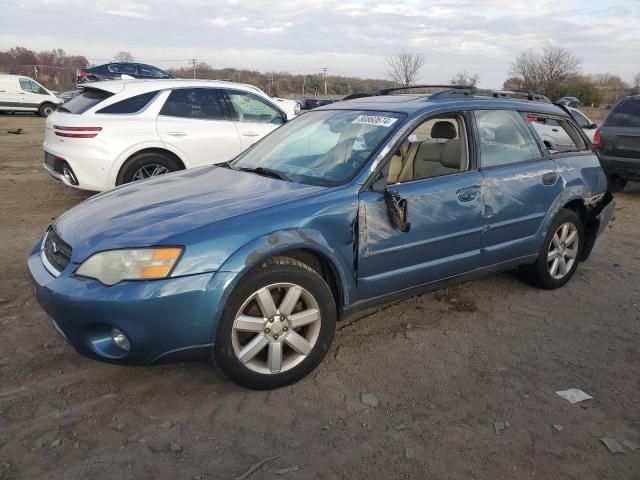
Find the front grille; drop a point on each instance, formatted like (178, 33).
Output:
(56, 251)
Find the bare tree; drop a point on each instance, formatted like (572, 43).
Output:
(545, 72)
(636, 80)
(465, 78)
(404, 67)
(123, 56)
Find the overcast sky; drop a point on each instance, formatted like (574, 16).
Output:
(349, 37)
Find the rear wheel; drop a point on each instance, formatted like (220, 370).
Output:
(559, 254)
(276, 326)
(46, 109)
(146, 165)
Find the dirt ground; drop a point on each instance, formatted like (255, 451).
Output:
(448, 370)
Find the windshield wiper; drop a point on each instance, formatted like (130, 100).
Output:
(267, 172)
(226, 164)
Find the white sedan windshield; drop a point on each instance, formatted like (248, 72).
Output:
(325, 147)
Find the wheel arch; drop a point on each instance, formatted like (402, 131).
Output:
(309, 247)
(116, 172)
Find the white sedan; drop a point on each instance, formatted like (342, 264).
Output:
(556, 138)
(120, 131)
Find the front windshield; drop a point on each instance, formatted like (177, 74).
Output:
(325, 147)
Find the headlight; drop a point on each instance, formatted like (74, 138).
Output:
(114, 266)
(297, 108)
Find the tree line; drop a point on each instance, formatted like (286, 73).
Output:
(553, 71)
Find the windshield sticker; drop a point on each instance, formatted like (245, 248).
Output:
(375, 120)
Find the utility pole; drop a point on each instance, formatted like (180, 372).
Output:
(324, 74)
(304, 79)
(270, 82)
(194, 64)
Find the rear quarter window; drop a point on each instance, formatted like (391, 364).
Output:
(130, 105)
(626, 113)
(87, 99)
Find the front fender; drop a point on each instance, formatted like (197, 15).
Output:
(275, 243)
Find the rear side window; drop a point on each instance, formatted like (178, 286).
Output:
(626, 113)
(200, 103)
(580, 119)
(126, 68)
(89, 98)
(558, 134)
(130, 105)
(504, 138)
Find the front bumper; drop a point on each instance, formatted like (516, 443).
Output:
(164, 320)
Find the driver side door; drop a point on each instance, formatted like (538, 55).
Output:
(434, 173)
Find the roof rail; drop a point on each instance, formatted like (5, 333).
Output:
(387, 91)
(521, 94)
(449, 90)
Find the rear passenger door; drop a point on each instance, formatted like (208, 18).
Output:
(253, 116)
(194, 123)
(520, 184)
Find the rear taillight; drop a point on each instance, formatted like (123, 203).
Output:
(597, 142)
(77, 132)
(81, 73)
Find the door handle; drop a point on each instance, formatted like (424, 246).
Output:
(554, 129)
(467, 194)
(549, 178)
(251, 134)
(177, 134)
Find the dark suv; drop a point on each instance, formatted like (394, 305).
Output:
(618, 142)
(113, 71)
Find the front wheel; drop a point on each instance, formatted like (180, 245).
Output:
(46, 109)
(559, 254)
(276, 326)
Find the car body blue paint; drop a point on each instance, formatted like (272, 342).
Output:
(230, 221)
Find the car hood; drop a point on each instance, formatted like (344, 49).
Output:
(153, 212)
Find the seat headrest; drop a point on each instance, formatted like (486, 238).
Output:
(451, 154)
(507, 134)
(443, 130)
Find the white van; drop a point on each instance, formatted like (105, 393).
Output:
(23, 94)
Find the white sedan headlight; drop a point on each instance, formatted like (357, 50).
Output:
(115, 266)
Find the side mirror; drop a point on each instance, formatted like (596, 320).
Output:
(593, 126)
(397, 209)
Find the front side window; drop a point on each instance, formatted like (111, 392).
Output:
(25, 85)
(322, 147)
(625, 114)
(198, 103)
(504, 138)
(153, 72)
(130, 105)
(435, 148)
(31, 86)
(123, 68)
(249, 108)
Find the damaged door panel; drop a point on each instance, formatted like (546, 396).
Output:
(444, 238)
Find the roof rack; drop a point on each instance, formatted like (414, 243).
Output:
(449, 90)
(521, 94)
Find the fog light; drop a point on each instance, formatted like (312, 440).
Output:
(121, 339)
(69, 176)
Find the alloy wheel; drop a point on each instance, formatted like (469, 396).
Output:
(276, 328)
(151, 170)
(563, 250)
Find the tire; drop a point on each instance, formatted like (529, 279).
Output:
(615, 183)
(46, 109)
(540, 272)
(149, 162)
(277, 276)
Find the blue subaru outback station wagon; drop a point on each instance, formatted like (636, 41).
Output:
(357, 204)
